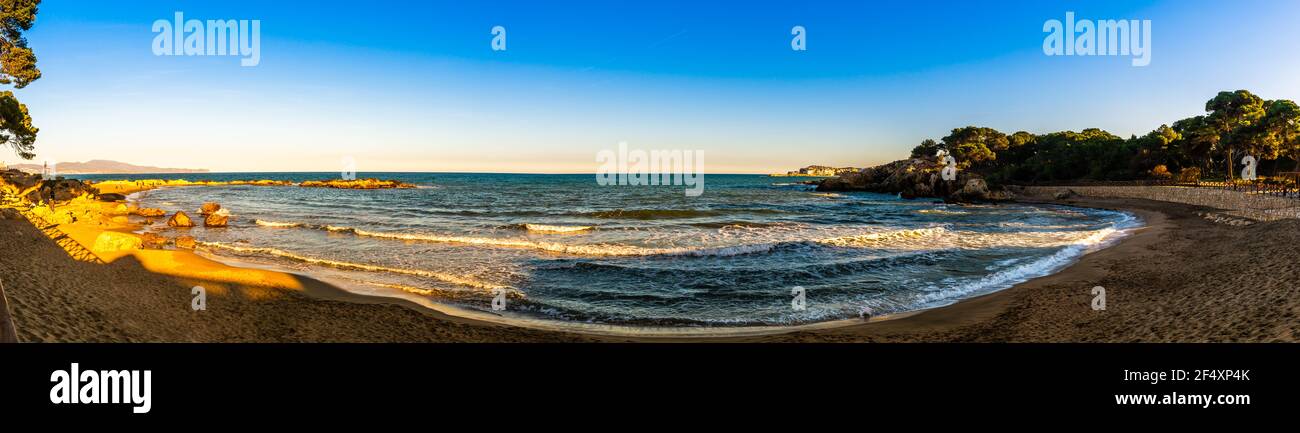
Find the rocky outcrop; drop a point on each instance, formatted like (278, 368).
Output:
(356, 184)
(54, 216)
(917, 178)
(208, 208)
(111, 197)
(19, 180)
(31, 188)
(180, 219)
(217, 219)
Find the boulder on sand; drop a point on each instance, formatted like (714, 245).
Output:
(108, 242)
(209, 208)
(218, 218)
(111, 197)
(186, 242)
(180, 219)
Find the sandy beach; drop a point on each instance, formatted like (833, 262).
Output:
(1181, 278)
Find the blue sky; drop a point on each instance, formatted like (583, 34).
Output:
(406, 86)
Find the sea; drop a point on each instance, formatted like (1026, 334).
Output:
(750, 250)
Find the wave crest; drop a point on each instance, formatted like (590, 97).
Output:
(275, 224)
(450, 278)
(544, 228)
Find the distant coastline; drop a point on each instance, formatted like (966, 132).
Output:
(100, 166)
(817, 171)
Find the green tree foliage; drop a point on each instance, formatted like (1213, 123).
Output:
(1236, 123)
(1196, 140)
(1280, 128)
(927, 148)
(974, 145)
(17, 68)
(1232, 116)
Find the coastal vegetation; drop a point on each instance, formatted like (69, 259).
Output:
(1211, 146)
(1236, 124)
(17, 68)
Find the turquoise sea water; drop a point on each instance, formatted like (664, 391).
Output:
(566, 248)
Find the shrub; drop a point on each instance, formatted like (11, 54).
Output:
(1161, 172)
(1189, 174)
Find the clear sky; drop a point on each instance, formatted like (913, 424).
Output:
(407, 86)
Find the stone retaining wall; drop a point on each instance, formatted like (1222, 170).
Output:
(1253, 206)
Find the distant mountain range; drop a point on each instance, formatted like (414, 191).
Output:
(100, 166)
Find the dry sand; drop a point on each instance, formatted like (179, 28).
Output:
(1182, 278)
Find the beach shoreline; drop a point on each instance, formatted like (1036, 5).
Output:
(280, 291)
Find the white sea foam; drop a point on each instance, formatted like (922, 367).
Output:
(543, 228)
(450, 278)
(943, 212)
(274, 224)
(887, 238)
(1069, 252)
(920, 239)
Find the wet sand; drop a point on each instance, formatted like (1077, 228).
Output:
(1181, 278)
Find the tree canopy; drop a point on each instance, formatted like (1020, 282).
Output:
(17, 68)
(1236, 123)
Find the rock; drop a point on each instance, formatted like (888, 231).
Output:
(180, 219)
(976, 188)
(153, 240)
(1067, 194)
(369, 183)
(59, 190)
(54, 216)
(150, 212)
(209, 208)
(1001, 195)
(217, 219)
(186, 242)
(111, 197)
(917, 178)
(108, 242)
(20, 180)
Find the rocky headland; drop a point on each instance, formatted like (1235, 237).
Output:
(917, 178)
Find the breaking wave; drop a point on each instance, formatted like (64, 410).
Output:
(445, 277)
(543, 228)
